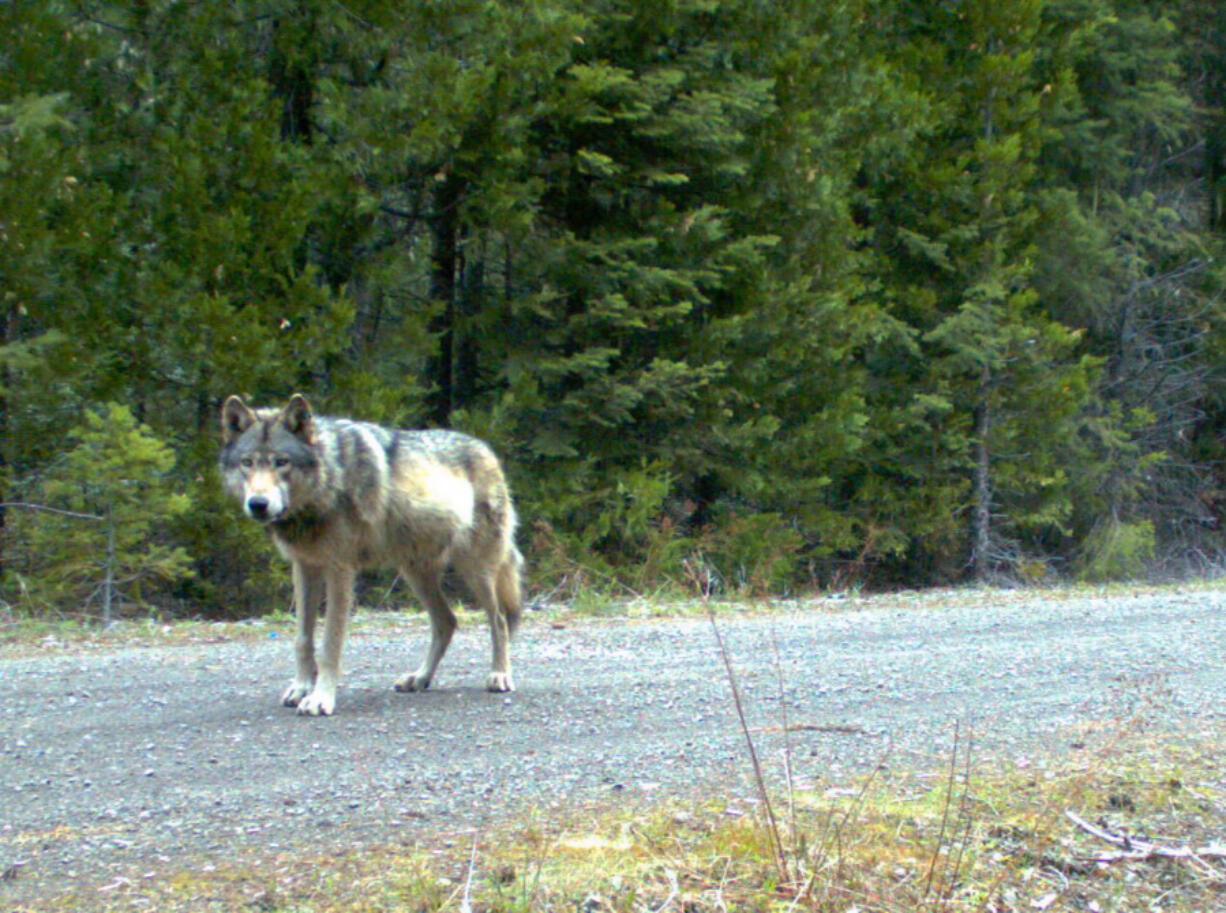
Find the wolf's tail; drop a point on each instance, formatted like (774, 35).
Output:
(510, 599)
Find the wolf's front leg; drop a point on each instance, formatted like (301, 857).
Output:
(322, 699)
(308, 595)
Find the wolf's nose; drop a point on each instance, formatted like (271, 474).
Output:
(257, 506)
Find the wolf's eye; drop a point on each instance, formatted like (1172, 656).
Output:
(280, 462)
(246, 462)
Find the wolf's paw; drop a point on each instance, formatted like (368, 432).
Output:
(413, 681)
(295, 693)
(317, 703)
(499, 681)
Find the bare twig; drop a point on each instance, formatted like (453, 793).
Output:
(544, 599)
(466, 905)
(1134, 850)
(949, 793)
(674, 889)
(780, 856)
(831, 836)
(387, 595)
(699, 576)
(839, 728)
(52, 510)
(964, 815)
(787, 746)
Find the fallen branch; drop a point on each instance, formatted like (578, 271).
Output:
(1134, 850)
(836, 729)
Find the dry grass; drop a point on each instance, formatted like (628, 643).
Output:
(973, 837)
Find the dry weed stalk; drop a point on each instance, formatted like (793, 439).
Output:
(962, 827)
(699, 575)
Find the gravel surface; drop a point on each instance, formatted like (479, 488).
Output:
(131, 762)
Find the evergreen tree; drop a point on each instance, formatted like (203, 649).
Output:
(998, 385)
(797, 415)
(643, 147)
(96, 534)
(1118, 256)
(870, 289)
(36, 182)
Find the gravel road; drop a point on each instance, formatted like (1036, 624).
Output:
(120, 763)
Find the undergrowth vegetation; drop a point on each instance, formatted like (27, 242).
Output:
(1135, 826)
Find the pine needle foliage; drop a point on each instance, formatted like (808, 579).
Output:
(818, 293)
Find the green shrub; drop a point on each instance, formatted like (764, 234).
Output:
(754, 554)
(1117, 550)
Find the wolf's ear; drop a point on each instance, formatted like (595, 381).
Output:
(297, 417)
(235, 418)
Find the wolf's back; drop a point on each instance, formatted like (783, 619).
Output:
(494, 518)
(466, 456)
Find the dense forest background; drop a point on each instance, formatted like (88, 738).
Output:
(765, 294)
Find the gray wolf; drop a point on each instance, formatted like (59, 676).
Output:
(337, 496)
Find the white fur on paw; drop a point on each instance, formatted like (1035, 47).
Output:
(317, 703)
(414, 681)
(499, 681)
(294, 694)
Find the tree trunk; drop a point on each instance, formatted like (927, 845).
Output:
(464, 381)
(1215, 175)
(108, 585)
(980, 551)
(444, 262)
(982, 546)
(290, 73)
(6, 454)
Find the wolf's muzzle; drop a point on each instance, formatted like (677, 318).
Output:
(257, 507)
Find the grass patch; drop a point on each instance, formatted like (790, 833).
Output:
(20, 633)
(32, 635)
(973, 837)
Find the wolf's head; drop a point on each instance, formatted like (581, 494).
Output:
(267, 455)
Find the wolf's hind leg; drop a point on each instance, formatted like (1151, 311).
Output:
(308, 596)
(485, 591)
(442, 625)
